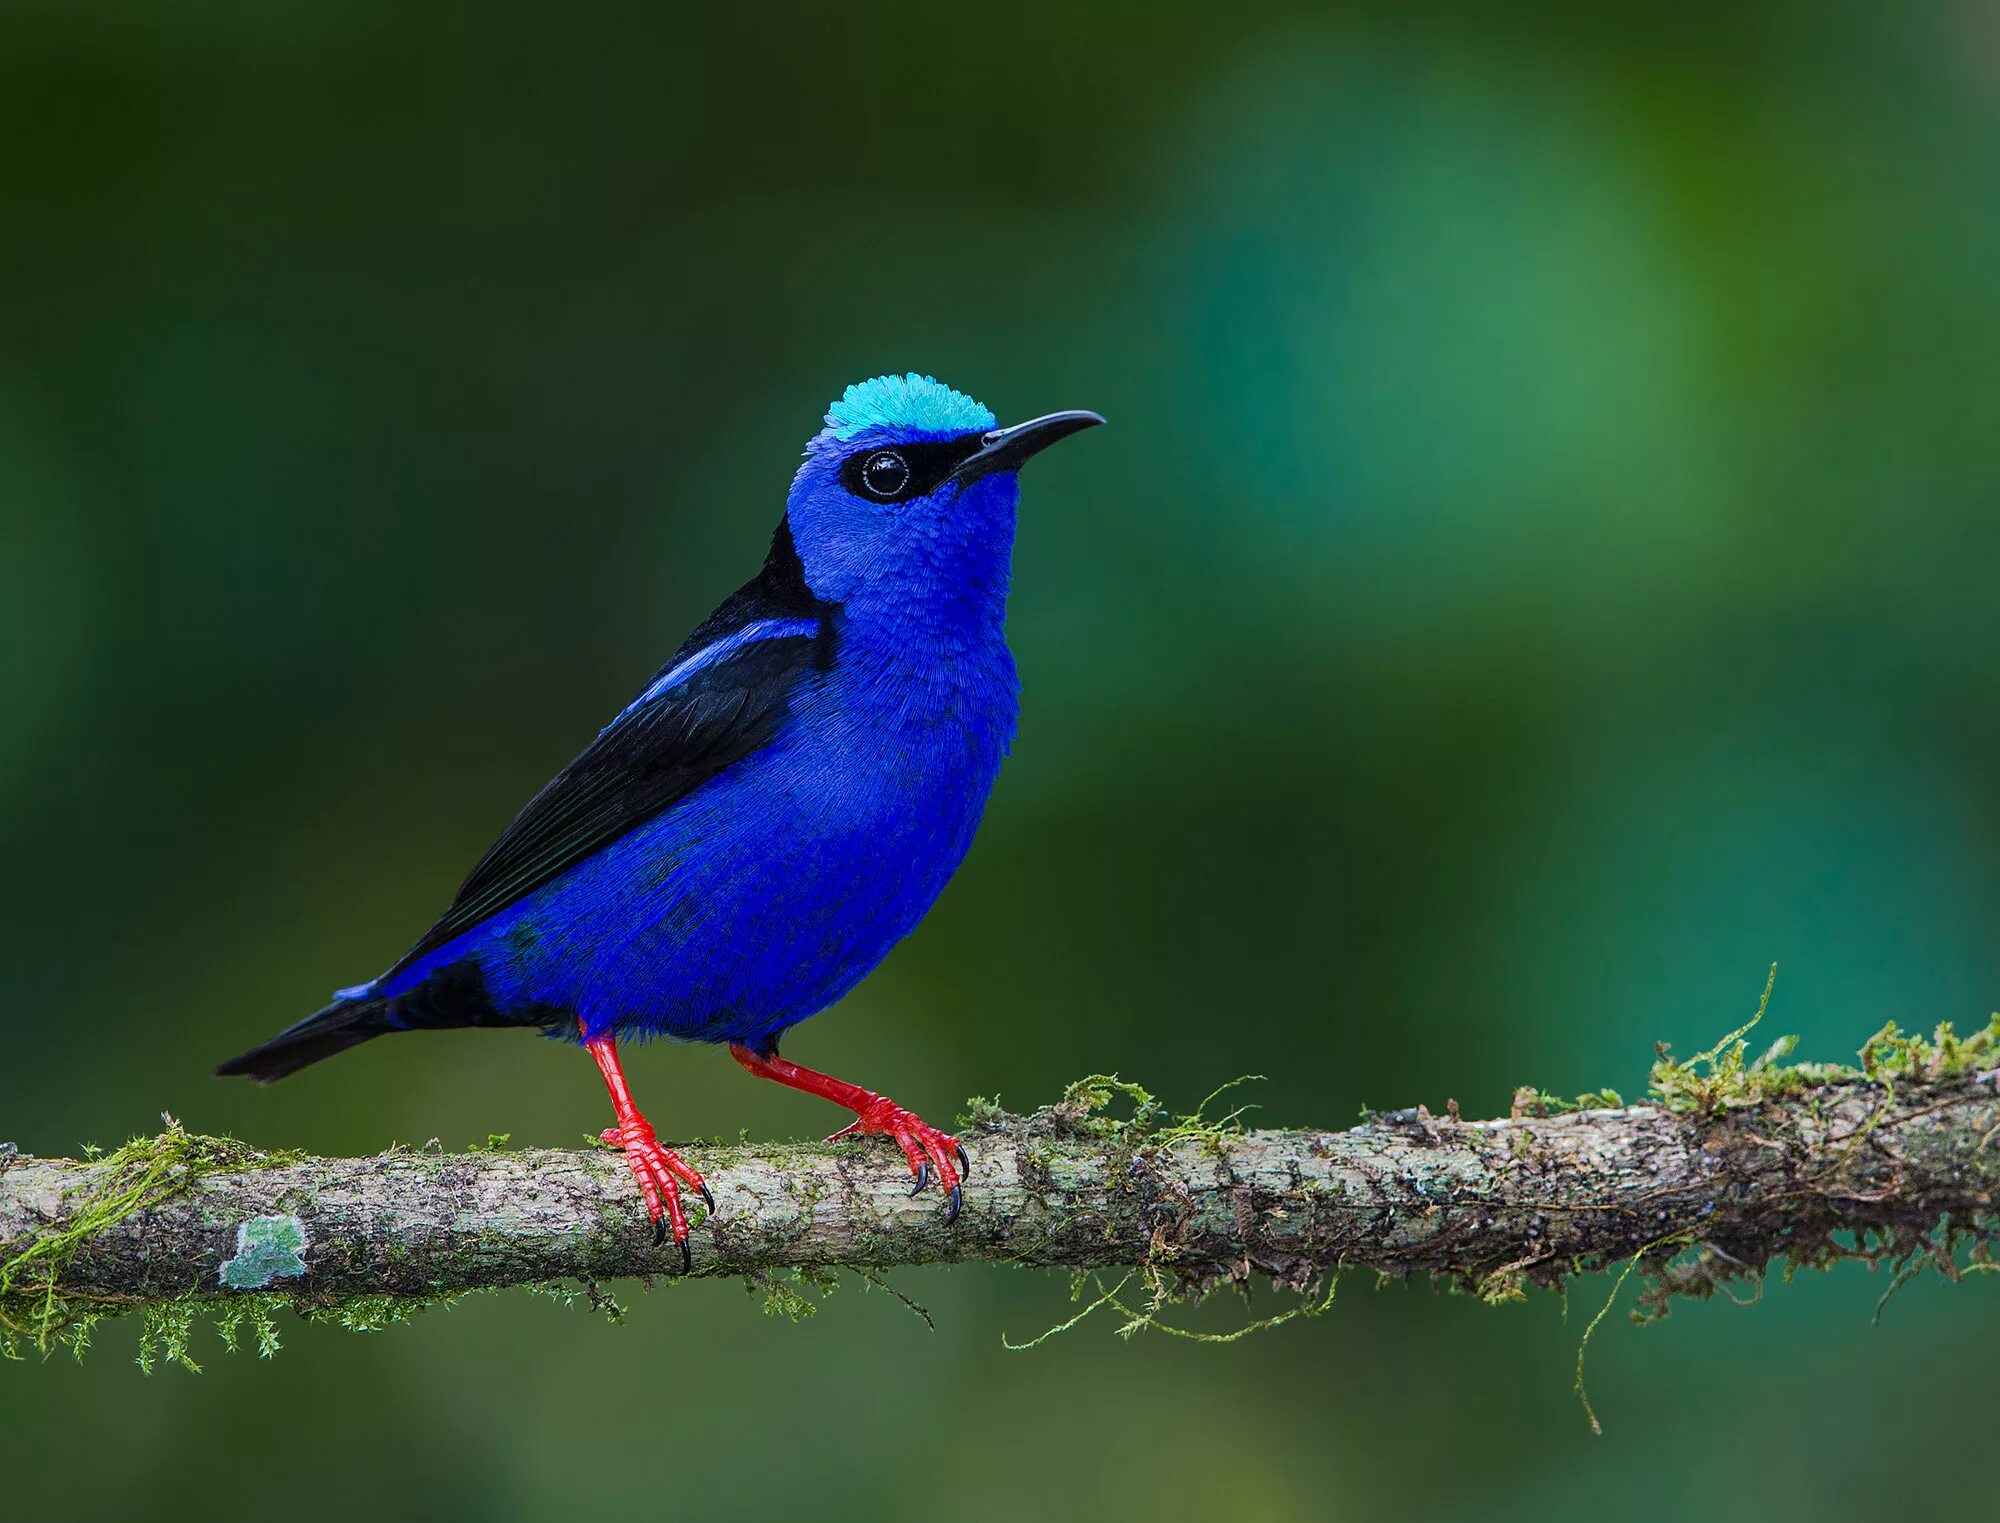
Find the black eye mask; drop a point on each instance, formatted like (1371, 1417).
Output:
(898, 472)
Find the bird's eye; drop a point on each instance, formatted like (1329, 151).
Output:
(885, 473)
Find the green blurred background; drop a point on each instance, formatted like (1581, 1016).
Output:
(1541, 571)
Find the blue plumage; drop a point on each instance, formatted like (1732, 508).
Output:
(783, 802)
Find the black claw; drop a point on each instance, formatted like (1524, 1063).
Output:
(964, 1163)
(687, 1257)
(660, 1232)
(923, 1177)
(957, 1200)
(707, 1199)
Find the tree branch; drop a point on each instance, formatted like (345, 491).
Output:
(1856, 1168)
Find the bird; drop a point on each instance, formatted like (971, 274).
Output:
(780, 805)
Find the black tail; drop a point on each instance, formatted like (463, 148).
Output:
(343, 1024)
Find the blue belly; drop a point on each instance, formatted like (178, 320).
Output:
(762, 897)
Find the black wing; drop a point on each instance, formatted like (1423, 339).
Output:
(768, 638)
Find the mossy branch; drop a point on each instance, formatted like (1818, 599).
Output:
(1731, 1165)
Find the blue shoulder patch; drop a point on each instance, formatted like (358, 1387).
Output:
(906, 401)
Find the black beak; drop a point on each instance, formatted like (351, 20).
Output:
(1005, 449)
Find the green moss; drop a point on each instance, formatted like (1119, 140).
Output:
(980, 1111)
(1891, 1054)
(1725, 1076)
(1502, 1287)
(587, 1294)
(1085, 1106)
(168, 1329)
(254, 1312)
(1540, 1104)
(788, 1294)
(165, 1331)
(1213, 1133)
(144, 1173)
(808, 1189)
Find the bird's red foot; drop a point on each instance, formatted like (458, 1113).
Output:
(657, 1168)
(660, 1173)
(923, 1144)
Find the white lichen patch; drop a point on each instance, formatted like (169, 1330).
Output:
(268, 1248)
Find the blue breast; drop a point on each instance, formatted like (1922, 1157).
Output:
(778, 885)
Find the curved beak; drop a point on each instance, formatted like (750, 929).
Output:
(1006, 449)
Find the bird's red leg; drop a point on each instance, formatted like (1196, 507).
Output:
(655, 1167)
(924, 1145)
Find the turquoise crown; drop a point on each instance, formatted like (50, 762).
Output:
(906, 401)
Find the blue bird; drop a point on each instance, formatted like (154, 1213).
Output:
(777, 809)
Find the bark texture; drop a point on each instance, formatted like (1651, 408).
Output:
(1489, 1204)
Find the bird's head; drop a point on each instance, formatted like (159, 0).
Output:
(912, 478)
